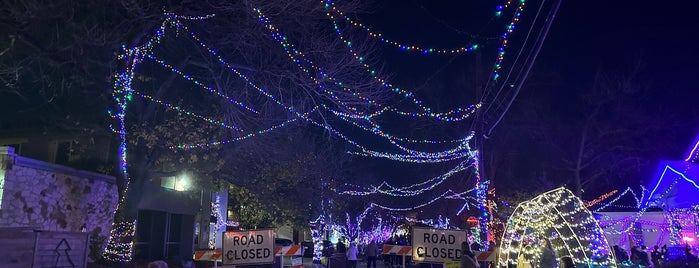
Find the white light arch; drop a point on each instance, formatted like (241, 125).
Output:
(560, 217)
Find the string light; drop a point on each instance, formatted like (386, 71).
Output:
(449, 194)
(424, 157)
(200, 84)
(297, 57)
(420, 156)
(179, 109)
(120, 244)
(220, 222)
(508, 30)
(330, 6)
(628, 190)
(186, 146)
(600, 198)
(406, 191)
(317, 231)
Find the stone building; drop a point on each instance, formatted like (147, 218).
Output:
(51, 197)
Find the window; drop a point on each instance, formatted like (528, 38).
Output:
(177, 183)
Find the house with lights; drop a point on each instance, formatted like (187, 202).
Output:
(667, 212)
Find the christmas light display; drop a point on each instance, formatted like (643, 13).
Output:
(381, 231)
(410, 190)
(561, 218)
(123, 93)
(120, 244)
(334, 11)
(627, 191)
(317, 231)
(330, 6)
(662, 175)
(416, 156)
(220, 222)
(177, 108)
(508, 30)
(186, 146)
(214, 91)
(297, 57)
(693, 153)
(440, 223)
(449, 194)
(600, 199)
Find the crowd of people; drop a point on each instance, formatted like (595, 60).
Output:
(657, 258)
(533, 255)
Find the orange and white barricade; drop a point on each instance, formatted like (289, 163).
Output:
(214, 255)
(398, 250)
(208, 255)
(290, 251)
(488, 256)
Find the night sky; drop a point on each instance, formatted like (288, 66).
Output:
(586, 37)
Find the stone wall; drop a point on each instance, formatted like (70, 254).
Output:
(52, 197)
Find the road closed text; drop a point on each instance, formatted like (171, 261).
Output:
(248, 247)
(435, 251)
(437, 245)
(248, 254)
(441, 253)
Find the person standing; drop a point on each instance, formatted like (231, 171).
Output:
(656, 257)
(525, 258)
(548, 256)
(663, 253)
(372, 250)
(468, 259)
(352, 253)
(567, 262)
(644, 256)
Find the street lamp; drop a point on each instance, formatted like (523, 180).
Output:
(182, 182)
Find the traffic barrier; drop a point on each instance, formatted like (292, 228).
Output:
(398, 250)
(217, 255)
(288, 251)
(488, 256)
(208, 255)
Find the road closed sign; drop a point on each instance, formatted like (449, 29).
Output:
(248, 247)
(437, 245)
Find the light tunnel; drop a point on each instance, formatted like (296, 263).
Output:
(561, 218)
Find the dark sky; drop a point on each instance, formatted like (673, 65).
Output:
(587, 36)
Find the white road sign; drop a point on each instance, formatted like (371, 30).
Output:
(248, 247)
(437, 245)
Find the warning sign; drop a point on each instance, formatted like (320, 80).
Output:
(437, 245)
(248, 247)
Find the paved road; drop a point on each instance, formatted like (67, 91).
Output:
(308, 263)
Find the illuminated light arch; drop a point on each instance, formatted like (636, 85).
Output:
(562, 218)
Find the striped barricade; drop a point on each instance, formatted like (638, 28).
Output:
(216, 255)
(488, 256)
(208, 255)
(288, 251)
(397, 250)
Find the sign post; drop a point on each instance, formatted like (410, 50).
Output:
(248, 247)
(436, 245)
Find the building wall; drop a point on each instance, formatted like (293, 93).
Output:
(47, 196)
